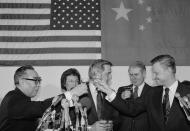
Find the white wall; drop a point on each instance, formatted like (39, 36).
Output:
(51, 78)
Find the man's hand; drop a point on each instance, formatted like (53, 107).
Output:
(101, 125)
(79, 90)
(102, 86)
(126, 94)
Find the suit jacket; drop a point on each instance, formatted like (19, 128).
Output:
(138, 123)
(108, 112)
(152, 104)
(19, 113)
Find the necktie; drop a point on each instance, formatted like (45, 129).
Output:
(99, 105)
(166, 105)
(135, 93)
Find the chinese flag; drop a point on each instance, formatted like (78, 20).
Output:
(142, 29)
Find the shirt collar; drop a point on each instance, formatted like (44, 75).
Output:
(139, 87)
(173, 87)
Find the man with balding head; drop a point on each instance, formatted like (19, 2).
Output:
(138, 89)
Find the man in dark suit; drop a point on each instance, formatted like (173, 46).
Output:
(100, 110)
(138, 88)
(17, 111)
(163, 108)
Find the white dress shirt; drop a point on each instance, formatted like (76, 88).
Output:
(140, 88)
(172, 91)
(93, 93)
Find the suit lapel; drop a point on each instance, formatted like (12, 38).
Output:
(93, 109)
(175, 105)
(144, 90)
(157, 106)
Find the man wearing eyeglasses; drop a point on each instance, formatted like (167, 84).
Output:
(17, 111)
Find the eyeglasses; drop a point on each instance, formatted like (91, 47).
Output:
(37, 80)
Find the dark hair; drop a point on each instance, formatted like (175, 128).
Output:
(186, 82)
(71, 71)
(20, 72)
(138, 64)
(166, 60)
(97, 64)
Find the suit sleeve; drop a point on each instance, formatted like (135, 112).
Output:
(129, 107)
(26, 109)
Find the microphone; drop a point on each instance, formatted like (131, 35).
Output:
(85, 102)
(60, 97)
(184, 105)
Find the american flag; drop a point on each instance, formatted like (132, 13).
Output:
(49, 32)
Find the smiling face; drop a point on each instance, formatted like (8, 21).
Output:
(29, 83)
(71, 82)
(161, 73)
(136, 75)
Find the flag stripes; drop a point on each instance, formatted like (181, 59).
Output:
(26, 37)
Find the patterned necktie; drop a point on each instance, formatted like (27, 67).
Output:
(135, 93)
(99, 105)
(166, 105)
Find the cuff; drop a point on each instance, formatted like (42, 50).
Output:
(111, 97)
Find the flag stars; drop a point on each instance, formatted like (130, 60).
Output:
(149, 20)
(70, 14)
(141, 27)
(122, 12)
(140, 2)
(148, 9)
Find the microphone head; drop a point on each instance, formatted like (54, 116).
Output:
(185, 99)
(85, 102)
